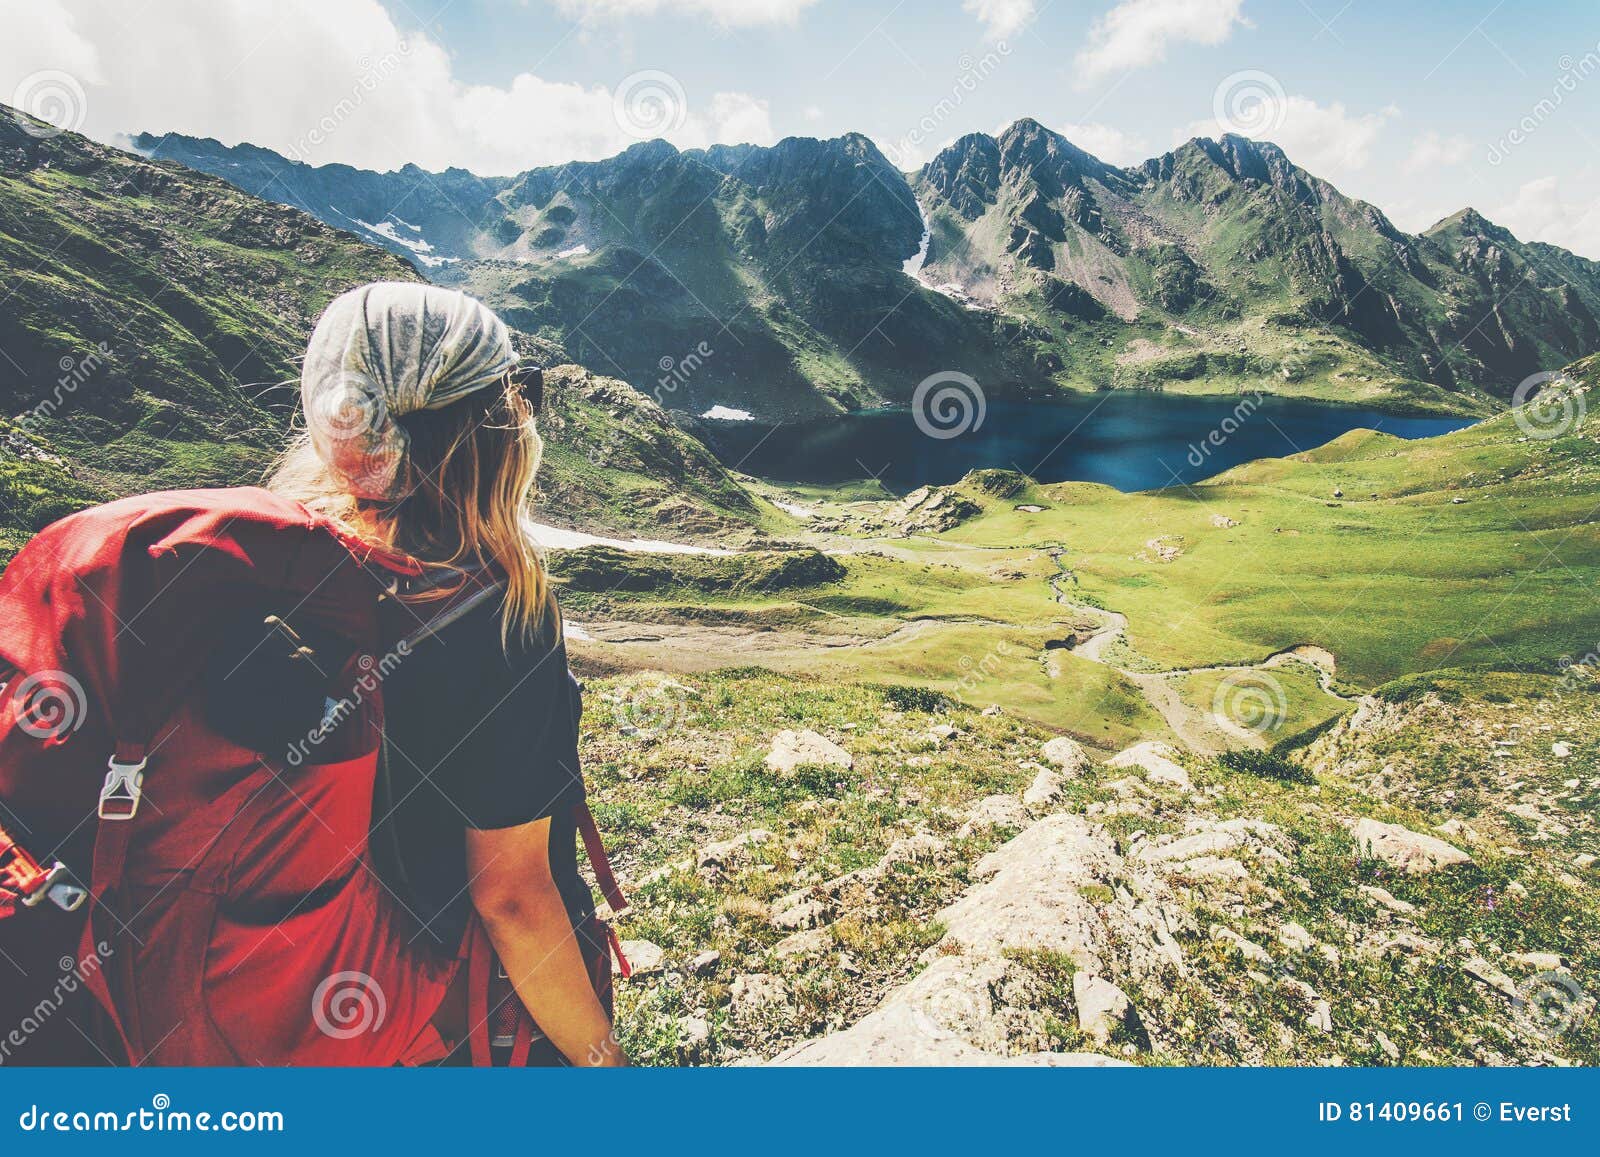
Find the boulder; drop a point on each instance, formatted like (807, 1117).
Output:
(793, 749)
(948, 1015)
(996, 811)
(1321, 1017)
(1412, 852)
(1031, 895)
(694, 1032)
(1046, 789)
(1103, 1008)
(1066, 754)
(1157, 762)
(1540, 961)
(1491, 977)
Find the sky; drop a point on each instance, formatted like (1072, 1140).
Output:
(1422, 107)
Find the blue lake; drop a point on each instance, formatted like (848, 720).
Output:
(1129, 441)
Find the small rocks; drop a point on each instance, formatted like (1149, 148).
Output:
(1248, 949)
(1412, 852)
(645, 958)
(806, 914)
(1223, 522)
(1384, 899)
(706, 962)
(807, 942)
(1295, 937)
(918, 847)
(1487, 974)
(996, 811)
(725, 853)
(1103, 1008)
(795, 749)
(1560, 749)
(1321, 1017)
(1066, 754)
(942, 732)
(755, 993)
(1298, 990)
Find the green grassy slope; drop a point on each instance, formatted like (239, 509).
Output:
(150, 314)
(152, 323)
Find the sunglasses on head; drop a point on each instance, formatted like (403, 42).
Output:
(529, 382)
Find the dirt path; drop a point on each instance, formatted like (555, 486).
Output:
(699, 646)
(1207, 732)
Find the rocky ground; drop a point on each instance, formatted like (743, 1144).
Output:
(828, 873)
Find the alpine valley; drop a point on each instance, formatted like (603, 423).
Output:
(1297, 763)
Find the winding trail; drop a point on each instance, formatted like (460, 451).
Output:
(1207, 732)
(705, 645)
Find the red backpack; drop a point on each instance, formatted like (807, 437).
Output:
(169, 843)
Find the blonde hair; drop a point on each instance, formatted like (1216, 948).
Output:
(468, 479)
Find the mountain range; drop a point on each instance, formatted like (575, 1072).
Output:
(813, 276)
(151, 324)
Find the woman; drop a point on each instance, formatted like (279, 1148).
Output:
(420, 441)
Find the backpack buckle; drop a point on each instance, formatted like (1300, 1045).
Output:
(124, 787)
(60, 889)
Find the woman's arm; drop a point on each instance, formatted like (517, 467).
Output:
(522, 908)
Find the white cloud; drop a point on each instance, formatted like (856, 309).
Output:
(1433, 151)
(1001, 18)
(738, 117)
(726, 13)
(1109, 144)
(1543, 211)
(1329, 141)
(1137, 33)
(359, 91)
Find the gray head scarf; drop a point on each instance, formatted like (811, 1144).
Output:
(386, 350)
